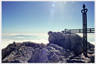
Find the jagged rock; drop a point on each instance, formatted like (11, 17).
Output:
(11, 47)
(79, 59)
(73, 42)
(52, 53)
(35, 56)
(23, 54)
(43, 56)
(92, 58)
(15, 61)
(55, 54)
(33, 45)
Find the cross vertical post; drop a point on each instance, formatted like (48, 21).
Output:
(84, 18)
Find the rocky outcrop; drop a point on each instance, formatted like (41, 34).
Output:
(52, 53)
(60, 49)
(11, 47)
(73, 42)
(23, 54)
(17, 51)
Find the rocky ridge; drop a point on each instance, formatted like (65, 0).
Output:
(62, 48)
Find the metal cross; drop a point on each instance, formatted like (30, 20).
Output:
(85, 30)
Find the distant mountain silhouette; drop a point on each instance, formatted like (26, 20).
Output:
(24, 36)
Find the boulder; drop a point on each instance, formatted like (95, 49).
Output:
(73, 42)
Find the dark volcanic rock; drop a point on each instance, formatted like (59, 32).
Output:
(23, 54)
(79, 59)
(92, 58)
(11, 47)
(15, 61)
(58, 54)
(35, 56)
(73, 42)
(33, 45)
(51, 54)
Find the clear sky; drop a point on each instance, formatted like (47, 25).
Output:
(44, 16)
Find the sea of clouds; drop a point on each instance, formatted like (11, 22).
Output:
(8, 38)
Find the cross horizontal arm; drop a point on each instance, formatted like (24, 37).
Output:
(89, 30)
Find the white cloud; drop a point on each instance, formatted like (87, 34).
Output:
(90, 37)
(42, 38)
(6, 42)
(92, 43)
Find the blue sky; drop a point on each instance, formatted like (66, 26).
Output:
(44, 16)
